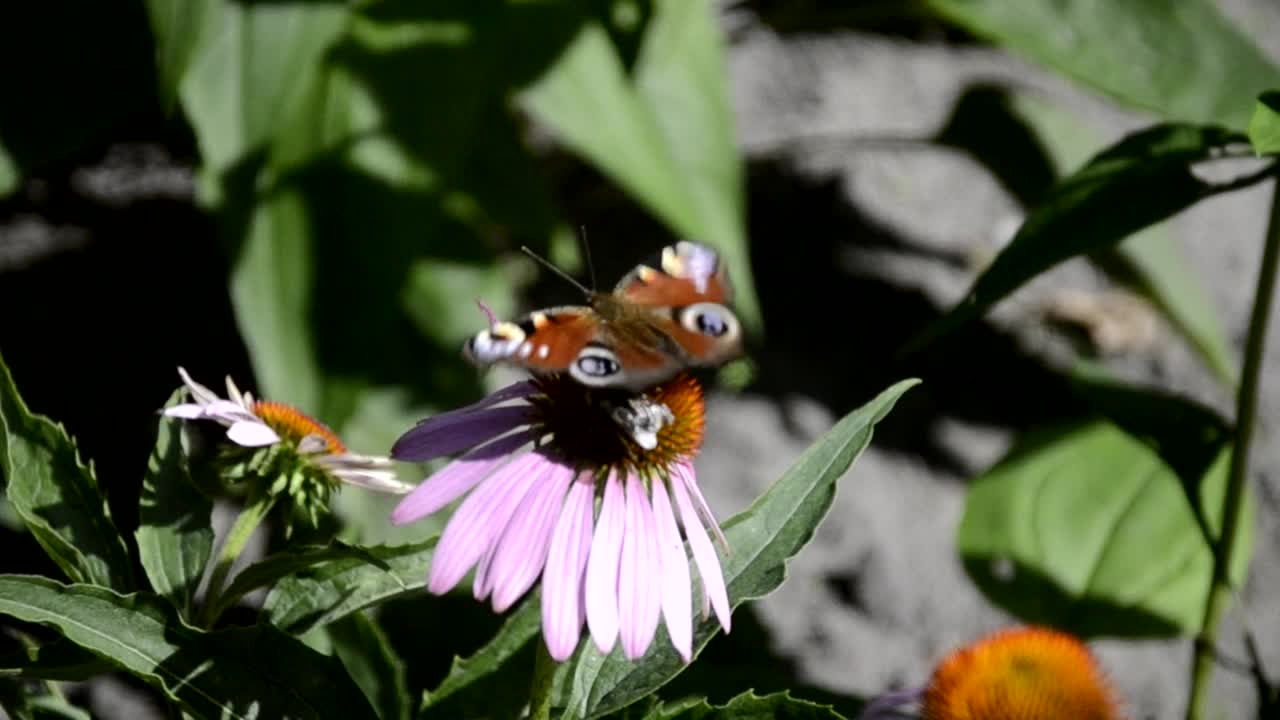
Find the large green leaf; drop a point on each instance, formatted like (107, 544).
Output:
(175, 531)
(178, 27)
(1062, 531)
(667, 134)
(244, 672)
(367, 655)
(1264, 126)
(1137, 182)
(57, 496)
(330, 590)
(1182, 60)
(295, 560)
(747, 706)
(762, 539)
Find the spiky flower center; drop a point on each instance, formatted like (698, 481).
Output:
(1021, 674)
(584, 429)
(294, 425)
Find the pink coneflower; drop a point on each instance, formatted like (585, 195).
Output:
(539, 455)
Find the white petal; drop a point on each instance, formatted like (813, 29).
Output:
(233, 392)
(379, 481)
(252, 434)
(202, 394)
(312, 444)
(186, 411)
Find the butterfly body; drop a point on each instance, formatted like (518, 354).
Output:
(656, 323)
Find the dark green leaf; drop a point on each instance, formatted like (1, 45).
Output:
(1061, 532)
(293, 561)
(364, 650)
(244, 672)
(175, 532)
(1137, 51)
(58, 660)
(1139, 181)
(335, 588)
(27, 701)
(178, 27)
(762, 539)
(1264, 126)
(494, 681)
(56, 496)
(747, 706)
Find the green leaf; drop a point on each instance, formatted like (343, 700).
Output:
(762, 539)
(244, 672)
(178, 27)
(335, 588)
(1135, 51)
(494, 681)
(175, 532)
(1061, 532)
(1264, 126)
(57, 496)
(666, 136)
(57, 660)
(1137, 182)
(747, 706)
(10, 175)
(367, 655)
(23, 702)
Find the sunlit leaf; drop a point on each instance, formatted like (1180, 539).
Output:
(295, 560)
(57, 496)
(241, 673)
(747, 706)
(1264, 126)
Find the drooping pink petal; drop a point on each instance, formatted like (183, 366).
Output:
(703, 553)
(639, 574)
(449, 433)
(479, 518)
(562, 594)
(677, 595)
(602, 567)
(686, 473)
(456, 478)
(522, 551)
(252, 434)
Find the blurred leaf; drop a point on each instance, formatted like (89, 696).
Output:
(1137, 182)
(175, 532)
(57, 660)
(271, 570)
(22, 702)
(762, 539)
(57, 496)
(667, 136)
(1264, 126)
(178, 27)
(335, 588)
(364, 650)
(10, 176)
(243, 672)
(1138, 52)
(1061, 532)
(436, 291)
(494, 681)
(747, 706)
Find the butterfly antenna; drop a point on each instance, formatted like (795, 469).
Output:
(547, 264)
(586, 254)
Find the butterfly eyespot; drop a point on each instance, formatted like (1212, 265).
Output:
(595, 364)
(709, 319)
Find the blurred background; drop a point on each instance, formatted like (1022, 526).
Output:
(310, 196)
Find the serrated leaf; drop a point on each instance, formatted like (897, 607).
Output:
(1061, 532)
(175, 531)
(1135, 51)
(367, 655)
(747, 706)
(762, 539)
(1264, 126)
(1143, 179)
(667, 136)
(57, 496)
(336, 588)
(243, 672)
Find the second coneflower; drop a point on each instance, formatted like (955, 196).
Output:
(539, 455)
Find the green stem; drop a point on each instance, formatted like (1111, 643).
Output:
(1246, 412)
(248, 521)
(544, 672)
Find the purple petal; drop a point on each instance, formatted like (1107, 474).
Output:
(685, 469)
(890, 705)
(562, 579)
(522, 552)
(601, 587)
(456, 478)
(449, 433)
(677, 596)
(703, 553)
(252, 434)
(639, 574)
(480, 517)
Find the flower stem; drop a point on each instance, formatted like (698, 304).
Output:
(250, 517)
(1246, 412)
(544, 672)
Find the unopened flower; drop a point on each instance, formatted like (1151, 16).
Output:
(539, 455)
(1029, 673)
(299, 455)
